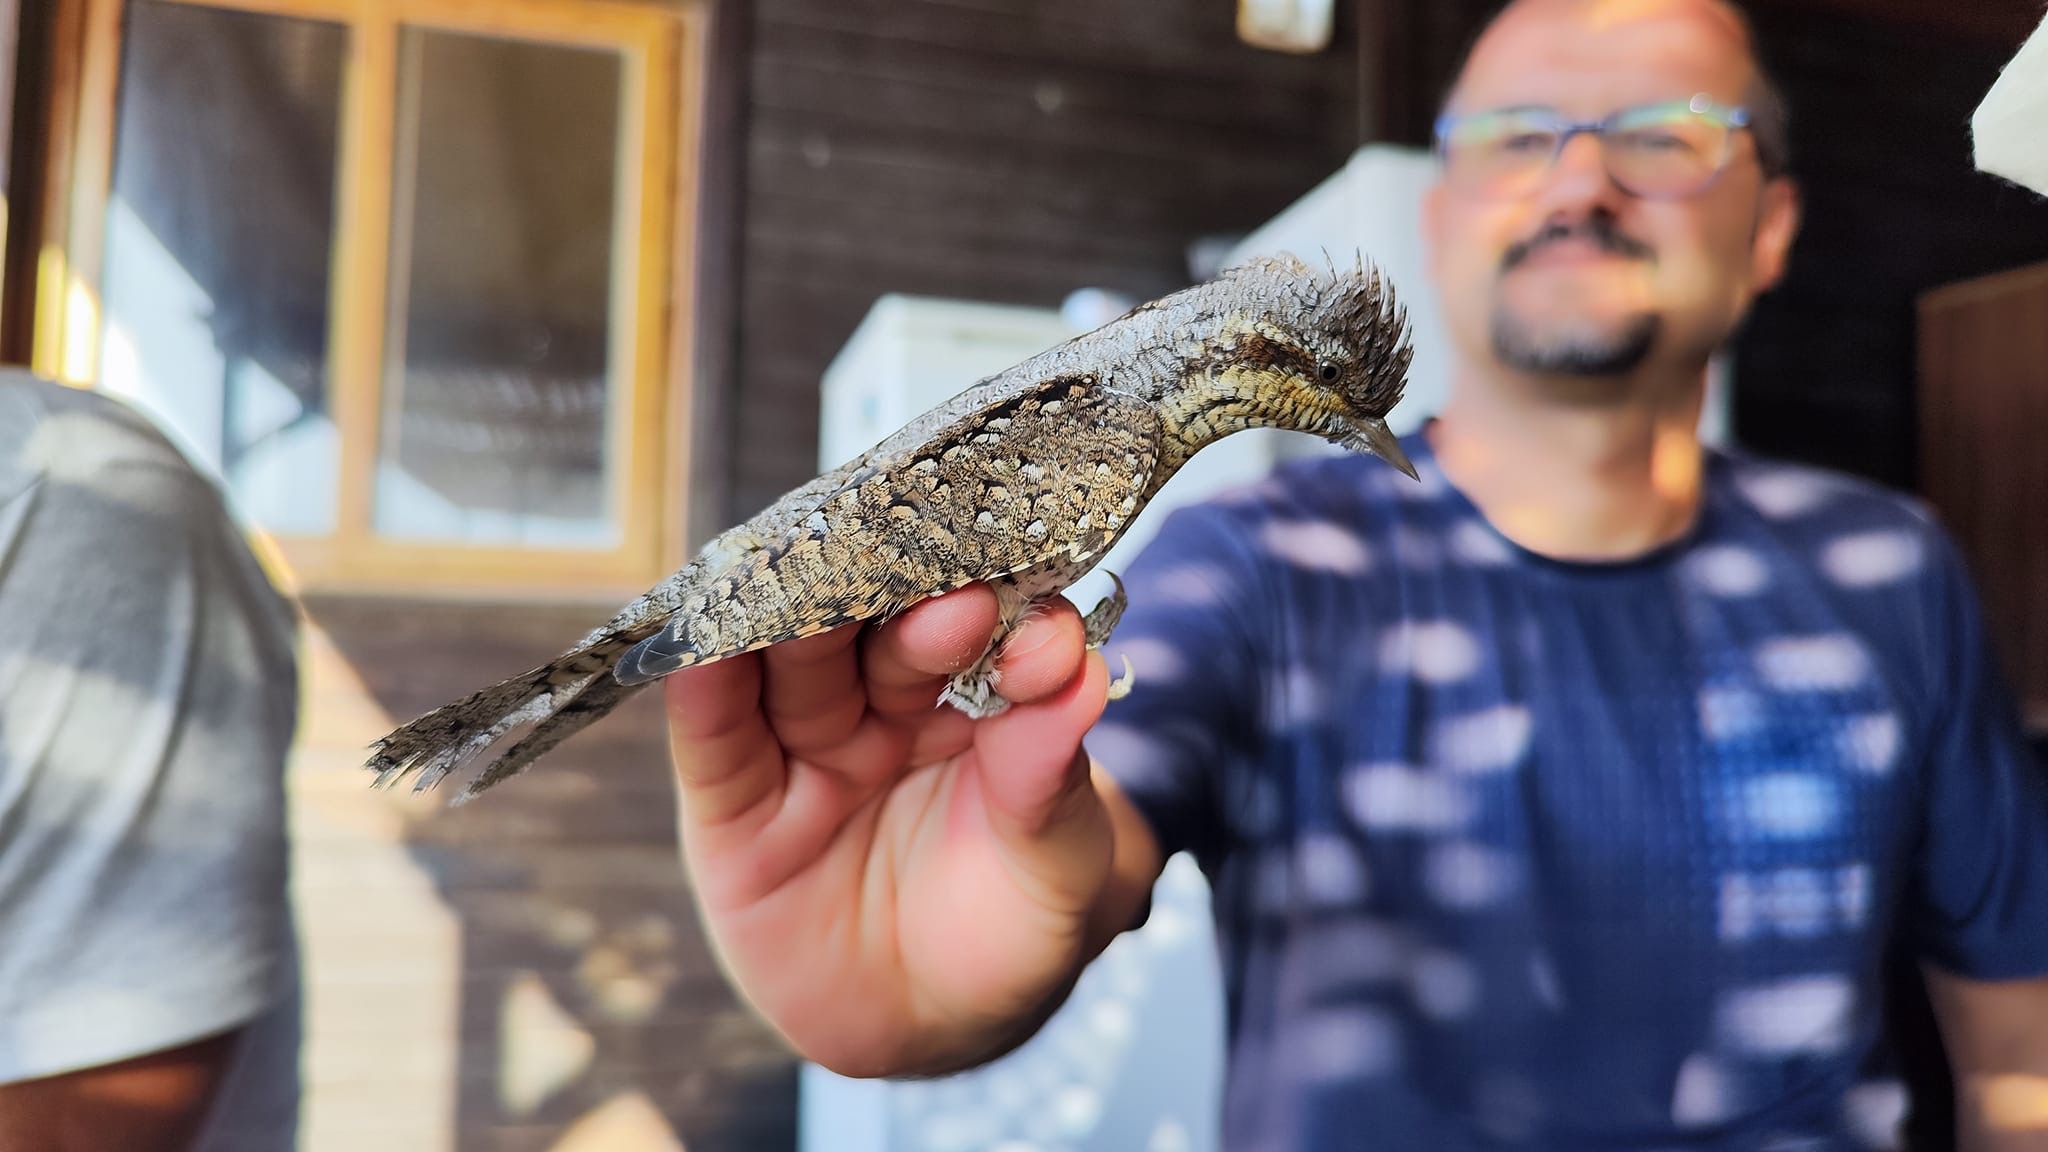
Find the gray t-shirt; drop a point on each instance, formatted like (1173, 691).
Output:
(148, 694)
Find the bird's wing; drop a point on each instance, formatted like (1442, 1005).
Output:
(1049, 472)
(1052, 473)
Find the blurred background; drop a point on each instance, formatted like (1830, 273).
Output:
(485, 312)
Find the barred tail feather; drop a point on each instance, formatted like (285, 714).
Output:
(596, 698)
(442, 741)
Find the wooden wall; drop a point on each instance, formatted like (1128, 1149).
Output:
(1984, 417)
(521, 974)
(1894, 207)
(1009, 151)
(1013, 151)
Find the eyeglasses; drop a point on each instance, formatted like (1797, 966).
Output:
(1657, 151)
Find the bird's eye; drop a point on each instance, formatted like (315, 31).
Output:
(1328, 372)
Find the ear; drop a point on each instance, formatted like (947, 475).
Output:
(1777, 226)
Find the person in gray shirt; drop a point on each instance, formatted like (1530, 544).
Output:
(148, 697)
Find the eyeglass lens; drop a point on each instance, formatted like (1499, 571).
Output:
(1655, 152)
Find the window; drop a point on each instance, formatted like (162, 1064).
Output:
(402, 272)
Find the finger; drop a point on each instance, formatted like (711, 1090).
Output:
(1043, 654)
(726, 759)
(907, 660)
(1034, 780)
(811, 691)
(939, 734)
(1031, 755)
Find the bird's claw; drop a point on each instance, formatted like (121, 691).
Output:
(1101, 621)
(1121, 686)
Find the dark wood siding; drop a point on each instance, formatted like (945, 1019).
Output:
(1005, 150)
(1894, 207)
(1984, 404)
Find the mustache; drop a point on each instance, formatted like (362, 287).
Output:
(1601, 231)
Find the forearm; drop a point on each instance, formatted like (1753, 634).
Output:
(2002, 1112)
(152, 1103)
(1996, 1035)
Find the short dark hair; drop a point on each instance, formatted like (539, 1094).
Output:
(1769, 121)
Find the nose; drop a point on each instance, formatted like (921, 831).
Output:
(1578, 180)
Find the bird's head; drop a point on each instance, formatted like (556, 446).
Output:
(1291, 347)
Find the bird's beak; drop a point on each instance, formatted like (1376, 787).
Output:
(1375, 437)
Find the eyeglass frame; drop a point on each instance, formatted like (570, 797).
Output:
(1734, 118)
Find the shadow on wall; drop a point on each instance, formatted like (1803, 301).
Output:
(563, 998)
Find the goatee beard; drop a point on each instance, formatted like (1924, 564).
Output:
(1613, 353)
(1562, 351)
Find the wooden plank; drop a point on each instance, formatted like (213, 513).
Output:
(25, 62)
(786, 229)
(1188, 36)
(676, 382)
(1207, 190)
(1996, 23)
(997, 150)
(655, 300)
(10, 43)
(714, 263)
(360, 275)
(1386, 69)
(69, 345)
(336, 11)
(1893, 208)
(67, 55)
(596, 23)
(1983, 375)
(831, 101)
(1294, 100)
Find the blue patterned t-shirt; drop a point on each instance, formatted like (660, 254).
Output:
(1508, 851)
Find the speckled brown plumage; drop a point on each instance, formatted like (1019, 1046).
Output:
(1023, 481)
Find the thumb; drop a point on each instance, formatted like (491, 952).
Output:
(1036, 787)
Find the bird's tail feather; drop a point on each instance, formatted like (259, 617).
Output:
(593, 700)
(438, 743)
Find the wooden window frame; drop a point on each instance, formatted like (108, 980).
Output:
(663, 57)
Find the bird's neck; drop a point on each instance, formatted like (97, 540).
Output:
(1203, 405)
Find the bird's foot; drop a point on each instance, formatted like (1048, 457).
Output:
(1100, 622)
(973, 691)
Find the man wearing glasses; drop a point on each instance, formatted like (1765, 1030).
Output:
(1567, 799)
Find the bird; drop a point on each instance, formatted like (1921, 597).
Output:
(1022, 481)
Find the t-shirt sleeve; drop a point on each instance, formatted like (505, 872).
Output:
(147, 704)
(1187, 633)
(1982, 867)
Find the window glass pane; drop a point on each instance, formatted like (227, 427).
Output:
(499, 386)
(219, 227)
